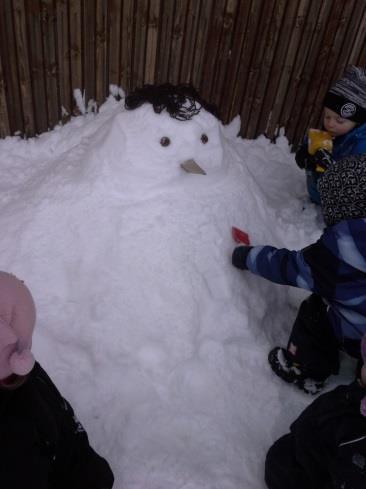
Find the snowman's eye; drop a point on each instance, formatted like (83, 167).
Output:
(204, 138)
(164, 141)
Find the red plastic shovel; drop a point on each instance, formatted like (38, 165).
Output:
(240, 236)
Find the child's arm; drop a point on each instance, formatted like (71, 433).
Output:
(359, 147)
(281, 266)
(319, 267)
(302, 157)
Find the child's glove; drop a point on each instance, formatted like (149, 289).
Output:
(322, 159)
(301, 157)
(318, 162)
(239, 257)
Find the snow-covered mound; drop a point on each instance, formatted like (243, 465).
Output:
(156, 340)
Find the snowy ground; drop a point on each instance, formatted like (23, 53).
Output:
(156, 340)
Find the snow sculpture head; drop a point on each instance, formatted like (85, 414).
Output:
(164, 127)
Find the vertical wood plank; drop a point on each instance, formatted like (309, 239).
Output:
(236, 65)
(9, 66)
(88, 53)
(201, 48)
(361, 60)
(224, 52)
(358, 44)
(152, 41)
(179, 21)
(48, 20)
(127, 30)
(139, 51)
(353, 20)
(4, 115)
(113, 40)
(101, 51)
(164, 42)
(36, 59)
(21, 45)
(63, 58)
(213, 40)
(75, 30)
(190, 35)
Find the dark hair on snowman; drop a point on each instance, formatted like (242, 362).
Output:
(182, 102)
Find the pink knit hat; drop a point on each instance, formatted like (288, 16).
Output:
(363, 353)
(17, 320)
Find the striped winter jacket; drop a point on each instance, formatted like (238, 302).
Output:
(334, 267)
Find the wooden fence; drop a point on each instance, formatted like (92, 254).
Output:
(271, 61)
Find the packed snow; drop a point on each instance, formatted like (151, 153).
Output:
(158, 342)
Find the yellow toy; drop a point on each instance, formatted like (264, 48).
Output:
(318, 139)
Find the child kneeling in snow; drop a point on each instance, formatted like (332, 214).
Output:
(326, 446)
(43, 445)
(333, 318)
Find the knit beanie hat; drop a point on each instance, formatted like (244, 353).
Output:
(342, 190)
(17, 320)
(347, 97)
(363, 354)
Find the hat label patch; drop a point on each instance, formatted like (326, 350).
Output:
(348, 110)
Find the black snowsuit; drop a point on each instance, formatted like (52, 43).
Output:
(42, 444)
(326, 448)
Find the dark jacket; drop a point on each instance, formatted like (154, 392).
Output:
(42, 444)
(334, 267)
(330, 439)
(352, 143)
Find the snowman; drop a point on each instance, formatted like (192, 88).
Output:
(123, 234)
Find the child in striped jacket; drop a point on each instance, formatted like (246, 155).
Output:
(333, 317)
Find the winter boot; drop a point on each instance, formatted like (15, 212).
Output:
(289, 371)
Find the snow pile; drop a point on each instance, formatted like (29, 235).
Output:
(157, 341)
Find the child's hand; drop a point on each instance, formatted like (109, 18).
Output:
(323, 159)
(301, 157)
(239, 257)
(319, 161)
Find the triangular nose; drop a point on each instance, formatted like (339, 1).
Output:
(190, 166)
